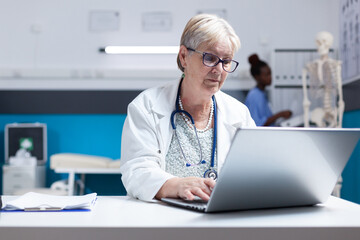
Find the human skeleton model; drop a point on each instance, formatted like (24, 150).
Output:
(325, 82)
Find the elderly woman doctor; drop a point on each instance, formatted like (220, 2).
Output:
(176, 137)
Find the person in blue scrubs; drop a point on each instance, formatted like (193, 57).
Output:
(256, 100)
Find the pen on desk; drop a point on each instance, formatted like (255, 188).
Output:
(39, 209)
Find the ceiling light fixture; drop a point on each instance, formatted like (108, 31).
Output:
(140, 49)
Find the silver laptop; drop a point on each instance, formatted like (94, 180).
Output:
(269, 167)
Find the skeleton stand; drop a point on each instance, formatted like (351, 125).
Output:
(325, 82)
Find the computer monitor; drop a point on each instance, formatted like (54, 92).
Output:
(31, 136)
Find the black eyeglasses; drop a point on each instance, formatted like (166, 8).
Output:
(211, 60)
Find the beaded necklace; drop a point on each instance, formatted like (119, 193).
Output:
(187, 120)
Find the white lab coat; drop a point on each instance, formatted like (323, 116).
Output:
(147, 134)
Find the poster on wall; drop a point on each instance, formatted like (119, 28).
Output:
(350, 40)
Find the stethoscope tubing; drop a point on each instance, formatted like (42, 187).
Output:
(172, 120)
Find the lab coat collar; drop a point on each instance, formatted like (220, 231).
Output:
(165, 102)
(165, 105)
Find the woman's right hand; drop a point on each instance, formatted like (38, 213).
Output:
(187, 188)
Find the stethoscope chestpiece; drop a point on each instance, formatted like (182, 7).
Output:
(211, 173)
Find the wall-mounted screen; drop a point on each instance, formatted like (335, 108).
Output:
(29, 136)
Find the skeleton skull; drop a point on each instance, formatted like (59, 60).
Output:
(324, 41)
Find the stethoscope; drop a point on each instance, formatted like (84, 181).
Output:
(210, 173)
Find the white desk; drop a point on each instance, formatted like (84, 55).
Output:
(126, 218)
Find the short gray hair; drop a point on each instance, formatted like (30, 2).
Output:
(207, 28)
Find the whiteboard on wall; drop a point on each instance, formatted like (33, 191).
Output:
(350, 40)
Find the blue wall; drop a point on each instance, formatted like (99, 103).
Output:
(98, 134)
(95, 134)
(351, 178)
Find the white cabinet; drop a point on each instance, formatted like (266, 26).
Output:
(286, 89)
(22, 177)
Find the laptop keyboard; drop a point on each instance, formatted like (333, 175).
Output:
(196, 204)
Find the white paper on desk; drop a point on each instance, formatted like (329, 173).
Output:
(39, 200)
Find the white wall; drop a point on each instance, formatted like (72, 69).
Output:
(63, 40)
